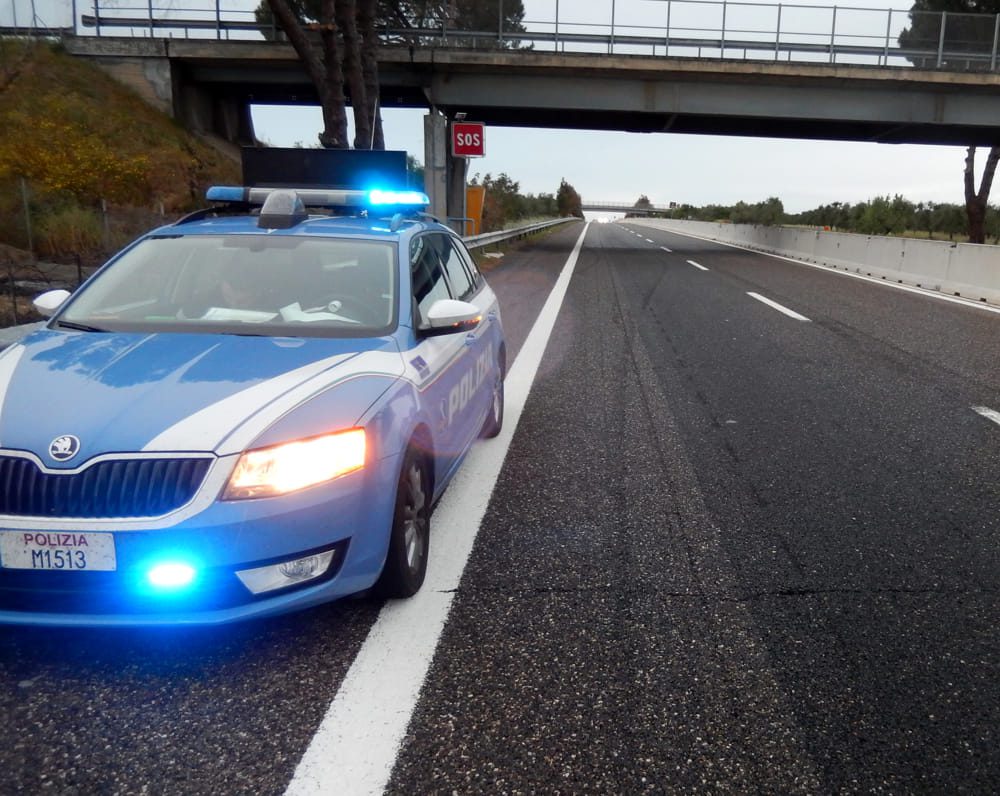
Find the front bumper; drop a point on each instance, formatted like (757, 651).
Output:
(351, 516)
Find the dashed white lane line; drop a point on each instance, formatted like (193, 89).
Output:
(775, 305)
(355, 748)
(648, 240)
(920, 291)
(989, 414)
(697, 265)
(668, 251)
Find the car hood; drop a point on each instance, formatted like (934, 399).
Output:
(172, 392)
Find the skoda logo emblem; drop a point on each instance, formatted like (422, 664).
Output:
(64, 448)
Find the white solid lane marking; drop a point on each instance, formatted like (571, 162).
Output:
(697, 265)
(669, 251)
(355, 748)
(775, 305)
(989, 414)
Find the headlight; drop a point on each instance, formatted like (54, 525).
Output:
(296, 465)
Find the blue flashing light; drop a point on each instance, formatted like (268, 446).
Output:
(226, 193)
(398, 198)
(170, 576)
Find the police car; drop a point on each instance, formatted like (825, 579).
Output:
(247, 412)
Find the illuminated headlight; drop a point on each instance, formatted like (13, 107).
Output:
(287, 573)
(296, 465)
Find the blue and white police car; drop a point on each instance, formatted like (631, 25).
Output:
(247, 412)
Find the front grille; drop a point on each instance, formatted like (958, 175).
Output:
(111, 488)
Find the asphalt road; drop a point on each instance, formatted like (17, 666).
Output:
(729, 551)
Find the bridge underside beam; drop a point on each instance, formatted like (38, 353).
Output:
(888, 113)
(600, 92)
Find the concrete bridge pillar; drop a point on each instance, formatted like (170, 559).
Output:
(436, 163)
(444, 175)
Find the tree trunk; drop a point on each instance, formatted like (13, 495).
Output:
(977, 201)
(369, 66)
(323, 68)
(334, 135)
(347, 11)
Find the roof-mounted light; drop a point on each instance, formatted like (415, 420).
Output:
(378, 199)
(226, 193)
(282, 210)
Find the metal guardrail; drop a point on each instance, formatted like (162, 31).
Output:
(489, 238)
(752, 30)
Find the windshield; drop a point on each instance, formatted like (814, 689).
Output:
(244, 284)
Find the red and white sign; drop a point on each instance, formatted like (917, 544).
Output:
(467, 140)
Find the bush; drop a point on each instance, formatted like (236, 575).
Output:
(68, 231)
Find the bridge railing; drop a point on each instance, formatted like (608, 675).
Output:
(721, 29)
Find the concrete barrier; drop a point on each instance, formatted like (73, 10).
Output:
(959, 269)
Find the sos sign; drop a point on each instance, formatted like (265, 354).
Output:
(467, 140)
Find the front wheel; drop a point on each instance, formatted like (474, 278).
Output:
(406, 561)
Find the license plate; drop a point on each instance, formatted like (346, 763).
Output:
(57, 550)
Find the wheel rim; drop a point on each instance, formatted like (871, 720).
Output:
(414, 522)
(497, 402)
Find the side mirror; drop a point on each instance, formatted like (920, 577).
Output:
(448, 316)
(50, 301)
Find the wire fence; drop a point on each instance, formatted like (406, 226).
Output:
(675, 28)
(48, 245)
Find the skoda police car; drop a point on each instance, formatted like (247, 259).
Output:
(247, 412)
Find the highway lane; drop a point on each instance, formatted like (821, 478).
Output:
(729, 550)
(732, 550)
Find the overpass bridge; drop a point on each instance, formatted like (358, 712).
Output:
(845, 78)
(622, 207)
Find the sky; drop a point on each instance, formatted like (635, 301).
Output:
(666, 167)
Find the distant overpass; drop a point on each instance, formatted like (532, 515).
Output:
(619, 207)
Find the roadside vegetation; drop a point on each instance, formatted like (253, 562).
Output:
(85, 166)
(882, 215)
(84, 161)
(506, 206)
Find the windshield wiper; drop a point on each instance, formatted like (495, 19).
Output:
(80, 327)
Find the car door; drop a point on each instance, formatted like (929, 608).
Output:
(467, 284)
(443, 361)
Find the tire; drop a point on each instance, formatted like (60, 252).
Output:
(406, 562)
(494, 419)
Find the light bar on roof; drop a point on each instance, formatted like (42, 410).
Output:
(398, 198)
(323, 197)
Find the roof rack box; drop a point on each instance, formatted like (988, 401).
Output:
(276, 167)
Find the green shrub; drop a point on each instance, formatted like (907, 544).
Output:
(69, 230)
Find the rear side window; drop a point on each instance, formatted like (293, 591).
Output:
(470, 264)
(429, 284)
(459, 278)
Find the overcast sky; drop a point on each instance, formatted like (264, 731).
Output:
(666, 167)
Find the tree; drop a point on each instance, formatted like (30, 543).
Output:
(417, 18)
(502, 202)
(568, 201)
(976, 202)
(346, 55)
(964, 35)
(414, 173)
